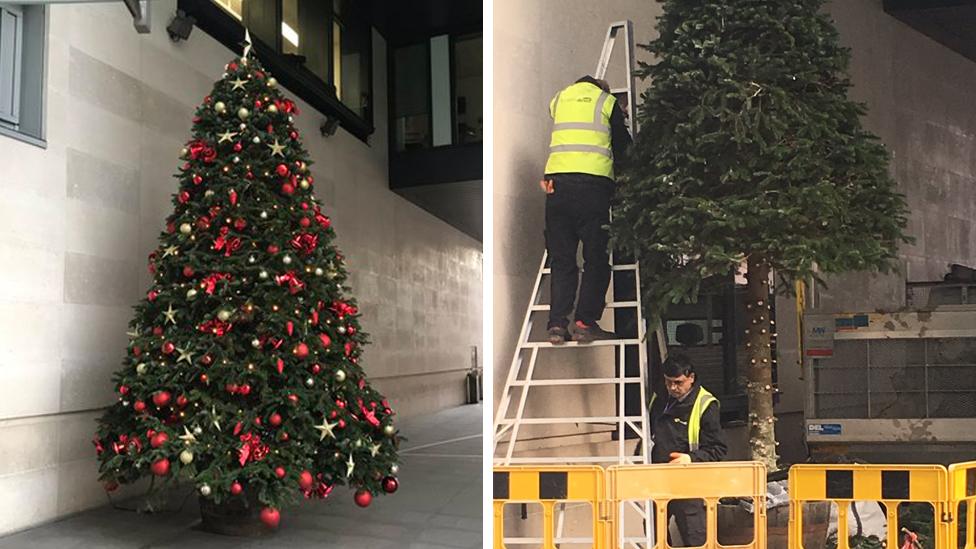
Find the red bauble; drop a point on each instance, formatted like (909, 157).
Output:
(158, 440)
(293, 398)
(168, 347)
(257, 421)
(363, 498)
(287, 189)
(204, 378)
(236, 489)
(123, 389)
(171, 227)
(206, 360)
(283, 437)
(304, 205)
(280, 472)
(151, 295)
(316, 368)
(293, 134)
(305, 222)
(184, 197)
(272, 249)
(237, 147)
(188, 271)
(160, 467)
(390, 485)
(275, 419)
(139, 406)
(161, 398)
(137, 350)
(341, 403)
(342, 424)
(197, 179)
(231, 388)
(257, 103)
(244, 389)
(305, 480)
(333, 414)
(111, 486)
(157, 330)
(271, 517)
(203, 223)
(182, 401)
(249, 175)
(240, 224)
(301, 350)
(281, 170)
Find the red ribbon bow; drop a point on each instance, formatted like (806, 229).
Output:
(216, 327)
(252, 449)
(295, 285)
(305, 243)
(212, 280)
(229, 245)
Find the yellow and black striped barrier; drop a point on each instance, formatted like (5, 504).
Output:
(549, 486)
(962, 489)
(710, 482)
(890, 485)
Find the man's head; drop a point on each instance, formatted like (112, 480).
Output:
(602, 84)
(679, 375)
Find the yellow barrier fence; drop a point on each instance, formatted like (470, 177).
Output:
(962, 489)
(706, 481)
(890, 485)
(549, 486)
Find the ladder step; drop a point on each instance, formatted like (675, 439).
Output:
(625, 267)
(612, 305)
(597, 343)
(589, 419)
(581, 381)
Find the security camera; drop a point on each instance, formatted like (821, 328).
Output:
(181, 26)
(329, 126)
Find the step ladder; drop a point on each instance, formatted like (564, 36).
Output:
(509, 422)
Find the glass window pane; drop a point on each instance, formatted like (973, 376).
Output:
(440, 89)
(290, 39)
(233, 7)
(337, 58)
(468, 89)
(305, 32)
(352, 80)
(261, 17)
(411, 103)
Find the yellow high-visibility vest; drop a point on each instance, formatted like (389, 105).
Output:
(580, 140)
(702, 402)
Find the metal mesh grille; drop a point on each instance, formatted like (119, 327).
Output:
(897, 378)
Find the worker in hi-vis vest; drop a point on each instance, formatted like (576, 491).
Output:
(589, 139)
(685, 428)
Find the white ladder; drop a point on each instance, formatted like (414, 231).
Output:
(507, 426)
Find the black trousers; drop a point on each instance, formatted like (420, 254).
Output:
(577, 211)
(689, 517)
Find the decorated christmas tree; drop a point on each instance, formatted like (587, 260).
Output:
(751, 153)
(242, 374)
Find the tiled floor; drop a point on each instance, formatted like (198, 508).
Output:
(437, 506)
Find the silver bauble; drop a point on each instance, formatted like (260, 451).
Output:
(224, 315)
(186, 457)
(243, 113)
(204, 490)
(220, 107)
(255, 343)
(186, 228)
(340, 375)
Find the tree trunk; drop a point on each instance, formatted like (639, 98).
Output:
(759, 387)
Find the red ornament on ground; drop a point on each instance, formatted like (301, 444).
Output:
(161, 398)
(160, 467)
(139, 406)
(275, 419)
(236, 489)
(111, 486)
(390, 485)
(305, 480)
(271, 517)
(363, 498)
(158, 440)
(280, 472)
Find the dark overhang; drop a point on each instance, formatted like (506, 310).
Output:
(948, 22)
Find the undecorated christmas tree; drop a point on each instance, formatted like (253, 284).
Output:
(751, 153)
(242, 373)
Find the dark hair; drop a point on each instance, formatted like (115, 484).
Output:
(678, 365)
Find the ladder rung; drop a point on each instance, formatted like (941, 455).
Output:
(590, 419)
(611, 305)
(563, 460)
(581, 381)
(597, 343)
(625, 267)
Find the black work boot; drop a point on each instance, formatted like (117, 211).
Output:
(558, 335)
(585, 333)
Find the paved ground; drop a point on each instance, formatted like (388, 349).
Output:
(438, 506)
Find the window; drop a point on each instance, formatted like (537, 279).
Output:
(22, 39)
(446, 107)
(321, 49)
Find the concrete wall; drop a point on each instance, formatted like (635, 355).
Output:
(79, 218)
